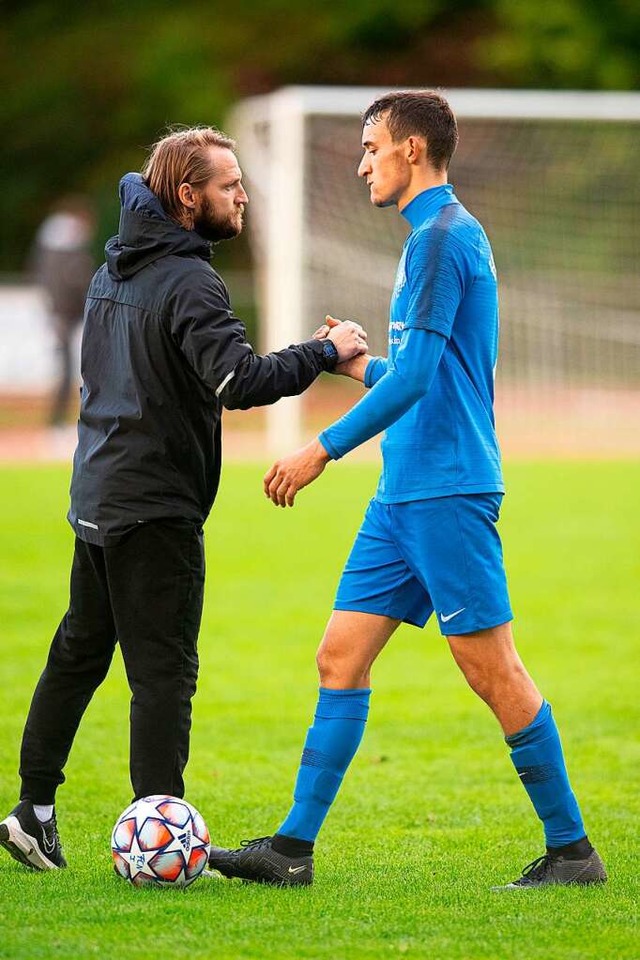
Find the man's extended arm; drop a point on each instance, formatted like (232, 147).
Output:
(259, 380)
(214, 344)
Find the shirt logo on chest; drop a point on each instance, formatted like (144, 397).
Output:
(395, 331)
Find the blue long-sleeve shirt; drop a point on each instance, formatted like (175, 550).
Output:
(434, 393)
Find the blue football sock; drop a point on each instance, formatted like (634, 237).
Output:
(330, 746)
(537, 756)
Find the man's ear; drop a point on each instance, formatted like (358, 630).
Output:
(186, 195)
(415, 149)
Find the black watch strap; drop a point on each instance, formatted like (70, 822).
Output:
(329, 354)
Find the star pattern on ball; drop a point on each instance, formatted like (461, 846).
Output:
(146, 809)
(184, 839)
(139, 860)
(160, 839)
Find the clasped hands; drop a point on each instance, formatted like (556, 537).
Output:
(297, 470)
(349, 338)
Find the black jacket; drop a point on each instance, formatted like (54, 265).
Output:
(162, 353)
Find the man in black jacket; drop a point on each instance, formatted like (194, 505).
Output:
(162, 354)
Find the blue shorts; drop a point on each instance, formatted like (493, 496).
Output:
(410, 559)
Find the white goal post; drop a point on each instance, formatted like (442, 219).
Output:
(552, 176)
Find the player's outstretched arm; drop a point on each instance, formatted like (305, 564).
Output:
(406, 380)
(355, 368)
(293, 472)
(389, 399)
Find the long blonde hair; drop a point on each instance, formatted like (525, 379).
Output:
(181, 156)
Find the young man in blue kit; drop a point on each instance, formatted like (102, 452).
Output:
(428, 542)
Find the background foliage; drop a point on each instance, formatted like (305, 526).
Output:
(89, 85)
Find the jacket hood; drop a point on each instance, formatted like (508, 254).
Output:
(146, 233)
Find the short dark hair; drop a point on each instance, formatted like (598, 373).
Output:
(423, 113)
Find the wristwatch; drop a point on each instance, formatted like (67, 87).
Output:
(329, 354)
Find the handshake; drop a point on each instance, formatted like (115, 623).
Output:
(350, 340)
(290, 474)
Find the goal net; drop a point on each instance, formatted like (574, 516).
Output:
(552, 177)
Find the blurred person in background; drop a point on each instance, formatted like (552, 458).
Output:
(162, 353)
(62, 264)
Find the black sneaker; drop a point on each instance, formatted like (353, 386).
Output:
(256, 860)
(549, 870)
(35, 844)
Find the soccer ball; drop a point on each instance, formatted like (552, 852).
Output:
(160, 841)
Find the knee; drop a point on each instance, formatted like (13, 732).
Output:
(338, 669)
(480, 682)
(328, 665)
(492, 683)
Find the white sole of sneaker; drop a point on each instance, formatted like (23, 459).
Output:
(23, 847)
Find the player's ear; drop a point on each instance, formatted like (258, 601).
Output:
(415, 149)
(186, 195)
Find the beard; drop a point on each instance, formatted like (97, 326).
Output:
(214, 227)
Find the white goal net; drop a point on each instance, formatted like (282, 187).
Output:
(553, 177)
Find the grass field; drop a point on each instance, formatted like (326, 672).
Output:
(431, 813)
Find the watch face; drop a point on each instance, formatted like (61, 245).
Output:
(329, 349)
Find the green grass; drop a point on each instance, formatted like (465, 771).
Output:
(431, 813)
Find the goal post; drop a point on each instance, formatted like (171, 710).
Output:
(551, 175)
(270, 132)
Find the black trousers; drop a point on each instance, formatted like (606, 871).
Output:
(144, 592)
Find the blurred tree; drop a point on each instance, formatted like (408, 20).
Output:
(87, 86)
(566, 44)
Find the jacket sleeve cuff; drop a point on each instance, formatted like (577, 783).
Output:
(316, 348)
